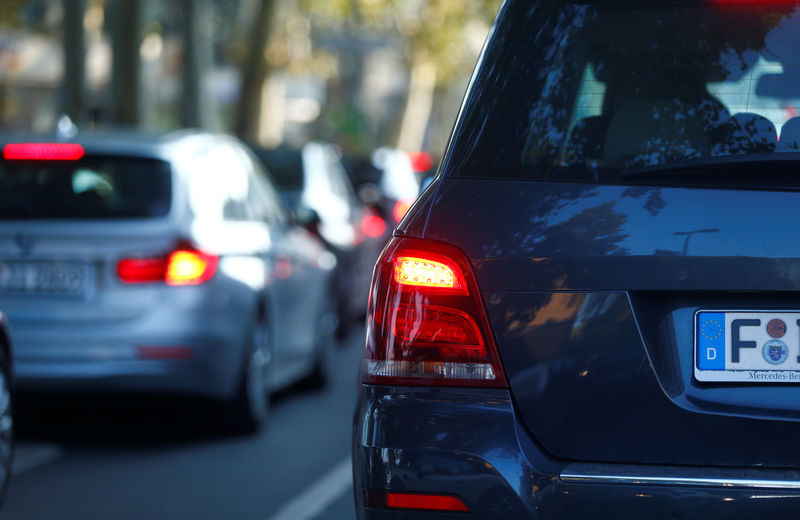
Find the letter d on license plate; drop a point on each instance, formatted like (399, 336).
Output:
(747, 346)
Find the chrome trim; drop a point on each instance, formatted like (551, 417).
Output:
(680, 476)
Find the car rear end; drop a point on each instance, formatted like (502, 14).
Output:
(103, 289)
(592, 312)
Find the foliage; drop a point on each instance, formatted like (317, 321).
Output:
(11, 12)
(437, 31)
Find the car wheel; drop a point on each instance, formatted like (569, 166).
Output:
(6, 425)
(250, 408)
(325, 340)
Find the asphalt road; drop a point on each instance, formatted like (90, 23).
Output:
(132, 458)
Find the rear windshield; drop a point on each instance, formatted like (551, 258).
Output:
(285, 167)
(93, 187)
(619, 91)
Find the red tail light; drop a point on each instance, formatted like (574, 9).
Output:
(427, 324)
(390, 500)
(190, 267)
(181, 267)
(372, 224)
(400, 209)
(421, 161)
(43, 151)
(141, 270)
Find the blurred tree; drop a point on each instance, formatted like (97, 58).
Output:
(11, 12)
(195, 62)
(126, 33)
(10, 16)
(440, 38)
(254, 73)
(74, 84)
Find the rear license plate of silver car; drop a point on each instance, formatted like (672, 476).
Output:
(67, 278)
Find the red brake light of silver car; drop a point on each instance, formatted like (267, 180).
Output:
(181, 267)
(43, 151)
(190, 267)
(427, 324)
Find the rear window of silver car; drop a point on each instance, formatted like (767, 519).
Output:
(617, 91)
(93, 187)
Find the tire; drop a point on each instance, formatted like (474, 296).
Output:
(6, 425)
(249, 410)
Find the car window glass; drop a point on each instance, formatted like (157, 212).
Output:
(218, 185)
(94, 187)
(265, 203)
(335, 174)
(603, 89)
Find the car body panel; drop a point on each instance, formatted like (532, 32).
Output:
(313, 177)
(471, 445)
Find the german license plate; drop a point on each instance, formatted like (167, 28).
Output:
(747, 346)
(42, 278)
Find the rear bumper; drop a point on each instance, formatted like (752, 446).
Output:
(200, 377)
(179, 354)
(469, 443)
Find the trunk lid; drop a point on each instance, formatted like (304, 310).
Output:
(591, 291)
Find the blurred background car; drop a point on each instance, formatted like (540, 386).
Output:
(6, 407)
(315, 185)
(159, 264)
(387, 184)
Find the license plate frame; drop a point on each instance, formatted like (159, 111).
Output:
(43, 278)
(752, 353)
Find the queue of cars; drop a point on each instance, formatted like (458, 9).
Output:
(178, 264)
(171, 265)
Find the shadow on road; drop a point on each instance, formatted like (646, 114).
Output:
(129, 420)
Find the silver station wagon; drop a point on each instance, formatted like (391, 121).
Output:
(162, 265)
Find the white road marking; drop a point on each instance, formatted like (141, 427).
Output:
(30, 456)
(319, 495)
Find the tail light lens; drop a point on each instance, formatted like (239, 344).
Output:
(427, 324)
(424, 502)
(372, 224)
(190, 267)
(43, 151)
(141, 270)
(181, 267)
(400, 209)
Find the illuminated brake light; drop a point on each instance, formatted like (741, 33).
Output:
(421, 161)
(426, 323)
(400, 209)
(141, 270)
(426, 502)
(43, 151)
(373, 225)
(424, 272)
(190, 268)
(181, 267)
